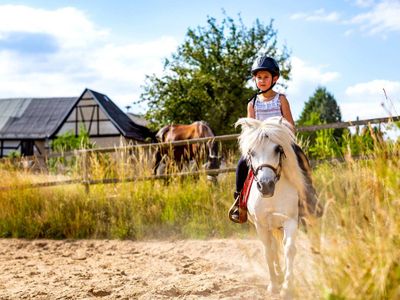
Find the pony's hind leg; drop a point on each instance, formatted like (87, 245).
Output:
(267, 238)
(289, 248)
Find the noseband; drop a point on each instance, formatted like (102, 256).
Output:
(277, 171)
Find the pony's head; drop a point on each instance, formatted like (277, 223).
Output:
(269, 149)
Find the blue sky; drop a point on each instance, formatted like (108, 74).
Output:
(58, 48)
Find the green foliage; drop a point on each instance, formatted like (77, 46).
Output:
(363, 143)
(207, 78)
(14, 154)
(321, 108)
(69, 141)
(323, 104)
(325, 145)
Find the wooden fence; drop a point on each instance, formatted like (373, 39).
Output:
(84, 154)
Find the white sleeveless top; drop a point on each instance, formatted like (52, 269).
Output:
(267, 109)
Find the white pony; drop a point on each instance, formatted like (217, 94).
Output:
(273, 203)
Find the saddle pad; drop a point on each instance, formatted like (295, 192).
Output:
(244, 195)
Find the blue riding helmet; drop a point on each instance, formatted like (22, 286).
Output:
(265, 63)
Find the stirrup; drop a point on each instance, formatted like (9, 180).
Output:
(234, 214)
(237, 214)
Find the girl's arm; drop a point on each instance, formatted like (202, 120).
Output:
(250, 110)
(286, 112)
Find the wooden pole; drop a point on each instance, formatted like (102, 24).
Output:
(85, 170)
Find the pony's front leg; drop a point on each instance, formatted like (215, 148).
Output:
(289, 238)
(266, 237)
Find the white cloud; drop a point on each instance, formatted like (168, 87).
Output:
(383, 17)
(317, 16)
(132, 61)
(68, 25)
(374, 87)
(304, 74)
(86, 56)
(305, 79)
(368, 100)
(364, 3)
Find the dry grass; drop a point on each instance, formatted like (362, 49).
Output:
(360, 241)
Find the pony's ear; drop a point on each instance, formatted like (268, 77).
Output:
(247, 123)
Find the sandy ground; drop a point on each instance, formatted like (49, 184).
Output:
(112, 269)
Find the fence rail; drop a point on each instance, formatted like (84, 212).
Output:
(228, 137)
(84, 154)
(349, 124)
(88, 182)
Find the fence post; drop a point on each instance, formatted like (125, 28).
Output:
(85, 168)
(357, 127)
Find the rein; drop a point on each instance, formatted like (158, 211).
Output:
(277, 171)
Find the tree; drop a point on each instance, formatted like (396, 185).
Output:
(321, 108)
(207, 78)
(323, 105)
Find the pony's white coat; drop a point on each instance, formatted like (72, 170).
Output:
(279, 212)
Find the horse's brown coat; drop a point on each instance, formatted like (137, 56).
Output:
(182, 154)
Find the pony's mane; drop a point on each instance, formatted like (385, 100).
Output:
(279, 131)
(254, 132)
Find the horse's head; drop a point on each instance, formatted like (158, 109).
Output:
(265, 161)
(213, 160)
(264, 145)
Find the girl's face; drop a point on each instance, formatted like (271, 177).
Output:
(264, 80)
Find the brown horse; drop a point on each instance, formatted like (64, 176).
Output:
(183, 154)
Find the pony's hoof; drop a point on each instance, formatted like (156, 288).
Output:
(273, 288)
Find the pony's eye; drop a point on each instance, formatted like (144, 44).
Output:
(252, 153)
(279, 149)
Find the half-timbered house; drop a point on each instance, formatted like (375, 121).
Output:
(28, 125)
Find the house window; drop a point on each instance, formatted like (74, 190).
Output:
(27, 147)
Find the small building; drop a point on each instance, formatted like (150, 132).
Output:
(28, 125)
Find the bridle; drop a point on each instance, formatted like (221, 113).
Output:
(277, 170)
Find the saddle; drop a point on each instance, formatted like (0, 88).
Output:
(244, 196)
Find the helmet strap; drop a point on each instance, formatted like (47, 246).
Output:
(262, 92)
(253, 98)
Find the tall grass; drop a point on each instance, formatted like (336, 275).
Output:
(361, 227)
(360, 231)
(192, 207)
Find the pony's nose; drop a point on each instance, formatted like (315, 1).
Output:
(266, 187)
